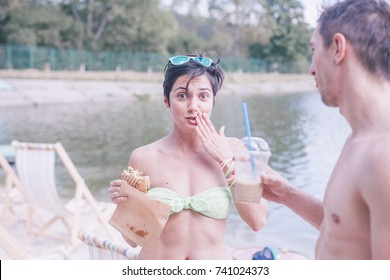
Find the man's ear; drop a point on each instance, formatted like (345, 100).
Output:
(166, 102)
(340, 48)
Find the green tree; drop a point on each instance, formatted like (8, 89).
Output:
(199, 34)
(29, 23)
(290, 33)
(243, 19)
(185, 43)
(121, 25)
(3, 19)
(150, 29)
(272, 30)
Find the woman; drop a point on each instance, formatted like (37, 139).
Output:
(193, 159)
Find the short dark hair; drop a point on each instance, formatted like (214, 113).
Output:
(366, 25)
(193, 68)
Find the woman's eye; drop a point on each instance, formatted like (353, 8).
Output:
(204, 96)
(182, 95)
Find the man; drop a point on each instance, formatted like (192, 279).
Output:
(351, 67)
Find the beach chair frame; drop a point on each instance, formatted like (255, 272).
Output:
(101, 248)
(11, 246)
(12, 193)
(33, 188)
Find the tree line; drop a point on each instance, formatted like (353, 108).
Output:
(273, 30)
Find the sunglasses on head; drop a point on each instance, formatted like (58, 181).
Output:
(181, 59)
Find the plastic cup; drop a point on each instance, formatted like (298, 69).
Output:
(251, 159)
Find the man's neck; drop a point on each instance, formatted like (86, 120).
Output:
(365, 103)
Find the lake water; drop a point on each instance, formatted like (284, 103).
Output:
(305, 138)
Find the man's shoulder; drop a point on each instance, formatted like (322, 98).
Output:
(378, 148)
(376, 163)
(371, 145)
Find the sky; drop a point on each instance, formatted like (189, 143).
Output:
(312, 8)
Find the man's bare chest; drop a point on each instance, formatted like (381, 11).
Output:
(344, 208)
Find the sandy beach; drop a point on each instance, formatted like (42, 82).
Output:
(33, 87)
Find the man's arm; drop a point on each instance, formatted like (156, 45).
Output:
(279, 190)
(375, 190)
(305, 205)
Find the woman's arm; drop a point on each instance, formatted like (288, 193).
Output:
(254, 214)
(221, 149)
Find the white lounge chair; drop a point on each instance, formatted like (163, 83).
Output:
(11, 246)
(11, 194)
(35, 165)
(101, 248)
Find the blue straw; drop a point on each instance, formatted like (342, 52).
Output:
(248, 134)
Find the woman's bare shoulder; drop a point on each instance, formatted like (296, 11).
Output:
(144, 154)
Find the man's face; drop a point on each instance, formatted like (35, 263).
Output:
(322, 68)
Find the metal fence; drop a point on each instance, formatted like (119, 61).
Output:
(24, 57)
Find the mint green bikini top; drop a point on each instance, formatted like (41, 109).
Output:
(213, 203)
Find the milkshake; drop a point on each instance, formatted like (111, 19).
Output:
(248, 191)
(251, 159)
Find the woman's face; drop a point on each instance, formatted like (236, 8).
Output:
(187, 103)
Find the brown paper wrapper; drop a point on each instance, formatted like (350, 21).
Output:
(141, 218)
